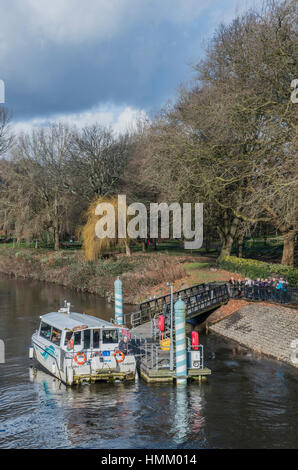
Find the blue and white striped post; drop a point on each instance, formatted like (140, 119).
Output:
(181, 364)
(118, 301)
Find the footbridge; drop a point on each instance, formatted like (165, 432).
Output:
(199, 299)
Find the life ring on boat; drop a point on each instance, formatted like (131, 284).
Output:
(122, 355)
(80, 363)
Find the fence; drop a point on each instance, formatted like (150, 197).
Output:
(289, 295)
(152, 355)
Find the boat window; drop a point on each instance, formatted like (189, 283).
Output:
(110, 336)
(56, 336)
(87, 338)
(96, 338)
(45, 330)
(68, 336)
(77, 338)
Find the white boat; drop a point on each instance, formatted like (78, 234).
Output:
(77, 348)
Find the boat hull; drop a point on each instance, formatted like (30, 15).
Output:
(55, 361)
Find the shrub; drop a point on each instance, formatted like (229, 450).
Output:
(254, 269)
(113, 267)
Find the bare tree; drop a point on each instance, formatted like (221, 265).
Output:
(230, 140)
(36, 191)
(5, 134)
(98, 160)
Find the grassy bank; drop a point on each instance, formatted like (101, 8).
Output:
(140, 273)
(143, 274)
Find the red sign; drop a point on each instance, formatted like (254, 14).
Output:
(161, 323)
(195, 340)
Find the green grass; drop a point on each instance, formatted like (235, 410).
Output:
(254, 268)
(200, 272)
(197, 265)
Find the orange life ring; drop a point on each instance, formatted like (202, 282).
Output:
(80, 363)
(122, 356)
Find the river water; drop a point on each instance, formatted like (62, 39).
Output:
(247, 402)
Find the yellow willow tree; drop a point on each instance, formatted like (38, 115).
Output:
(94, 246)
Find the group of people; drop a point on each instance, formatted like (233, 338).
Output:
(272, 288)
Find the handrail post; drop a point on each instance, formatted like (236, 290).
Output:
(152, 355)
(181, 364)
(118, 301)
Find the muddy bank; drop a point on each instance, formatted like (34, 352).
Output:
(264, 328)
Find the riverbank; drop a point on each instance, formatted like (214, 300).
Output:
(264, 328)
(143, 274)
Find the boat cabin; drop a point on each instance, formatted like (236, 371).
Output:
(78, 331)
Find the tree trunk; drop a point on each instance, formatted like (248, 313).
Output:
(226, 246)
(56, 226)
(56, 239)
(227, 235)
(289, 248)
(207, 244)
(127, 248)
(240, 246)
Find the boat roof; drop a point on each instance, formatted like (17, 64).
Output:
(72, 320)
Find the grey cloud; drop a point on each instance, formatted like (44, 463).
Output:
(56, 59)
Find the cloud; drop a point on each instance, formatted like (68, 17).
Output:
(77, 21)
(121, 119)
(62, 57)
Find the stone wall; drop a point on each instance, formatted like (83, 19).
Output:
(268, 329)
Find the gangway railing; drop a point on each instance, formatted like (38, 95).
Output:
(150, 353)
(154, 357)
(198, 299)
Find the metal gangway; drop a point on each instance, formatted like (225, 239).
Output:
(199, 299)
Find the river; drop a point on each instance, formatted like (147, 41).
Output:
(248, 402)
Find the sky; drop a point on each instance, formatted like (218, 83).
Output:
(106, 61)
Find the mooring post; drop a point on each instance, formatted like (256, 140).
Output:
(118, 301)
(171, 333)
(180, 332)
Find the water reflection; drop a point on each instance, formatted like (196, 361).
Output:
(182, 414)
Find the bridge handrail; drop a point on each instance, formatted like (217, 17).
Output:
(202, 297)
